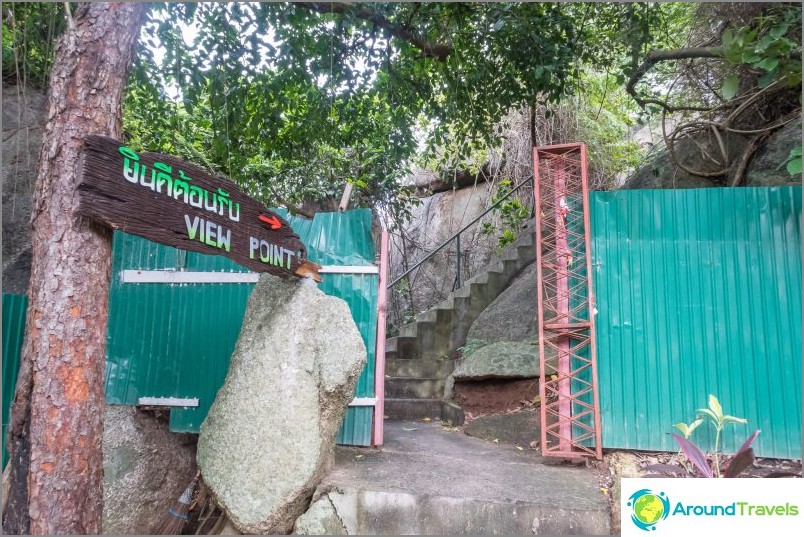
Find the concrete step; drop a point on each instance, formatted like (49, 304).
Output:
(416, 388)
(429, 480)
(419, 368)
(412, 409)
(401, 347)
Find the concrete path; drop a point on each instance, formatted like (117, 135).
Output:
(431, 480)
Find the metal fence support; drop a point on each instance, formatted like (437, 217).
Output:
(570, 410)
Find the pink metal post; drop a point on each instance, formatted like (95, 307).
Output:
(562, 302)
(570, 409)
(379, 353)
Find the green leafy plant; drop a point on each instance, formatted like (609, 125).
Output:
(512, 214)
(688, 429)
(793, 161)
(714, 413)
(737, 464)
(767, 48)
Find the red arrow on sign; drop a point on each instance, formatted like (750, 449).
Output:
(273, 221)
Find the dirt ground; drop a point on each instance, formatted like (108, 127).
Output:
(495, 395)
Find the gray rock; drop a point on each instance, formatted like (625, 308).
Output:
(23, 117)
(320, 519)
(145, 467)
(513, 315)
(662, 172)
(768, 167)
(765, 169)
(518, 428)
(434, 221)
(268, 438)
(504, 360)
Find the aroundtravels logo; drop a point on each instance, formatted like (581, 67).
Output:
(648, 508)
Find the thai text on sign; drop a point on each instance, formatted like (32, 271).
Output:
(164, 199)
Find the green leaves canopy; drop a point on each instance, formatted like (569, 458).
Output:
(293, 101)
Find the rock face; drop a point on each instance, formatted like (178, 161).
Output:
(503, 360)
(767, 167)
(267, 440)
(23, 117)
(145, 469)
(513, 315)
(433, 222)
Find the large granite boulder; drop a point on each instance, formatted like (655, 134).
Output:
(502, 360)
(268, 438)
(507, 360)
(768, 167)
(145, 469)
(513, 315)
(432, 222)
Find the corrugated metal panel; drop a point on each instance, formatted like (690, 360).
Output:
(14, 310)
(176, 340)
(699, 291)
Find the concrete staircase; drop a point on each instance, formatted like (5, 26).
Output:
(421, 357)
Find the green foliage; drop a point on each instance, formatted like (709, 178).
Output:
(30, 30)
(793, 162)
(714, 415)
(606, 114)
(293, 104)
(512, 213)
(767, 47)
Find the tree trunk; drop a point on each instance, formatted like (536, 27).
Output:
(57, 415)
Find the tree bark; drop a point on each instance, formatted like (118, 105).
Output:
(57, 415)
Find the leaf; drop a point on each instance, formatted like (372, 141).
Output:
(427, 420)
(747, 443)
(520, 448)
(694, 454)
(779, 30)
(739, 462)
(728, 38)
(694, 425)
(768, 64)
(733, 419)
(794, 166)
(709, 414)
(731, 85)
(714, 406)
(684, 428)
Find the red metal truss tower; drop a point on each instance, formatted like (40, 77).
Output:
(570, 409)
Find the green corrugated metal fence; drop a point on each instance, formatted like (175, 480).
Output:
(14, 308)
(698, 292)
(175, 340)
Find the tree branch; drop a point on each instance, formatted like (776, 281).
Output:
(438, 51)
(655, 56)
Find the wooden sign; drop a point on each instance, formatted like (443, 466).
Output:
(167, 200)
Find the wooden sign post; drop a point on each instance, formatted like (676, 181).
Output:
(167, 200)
